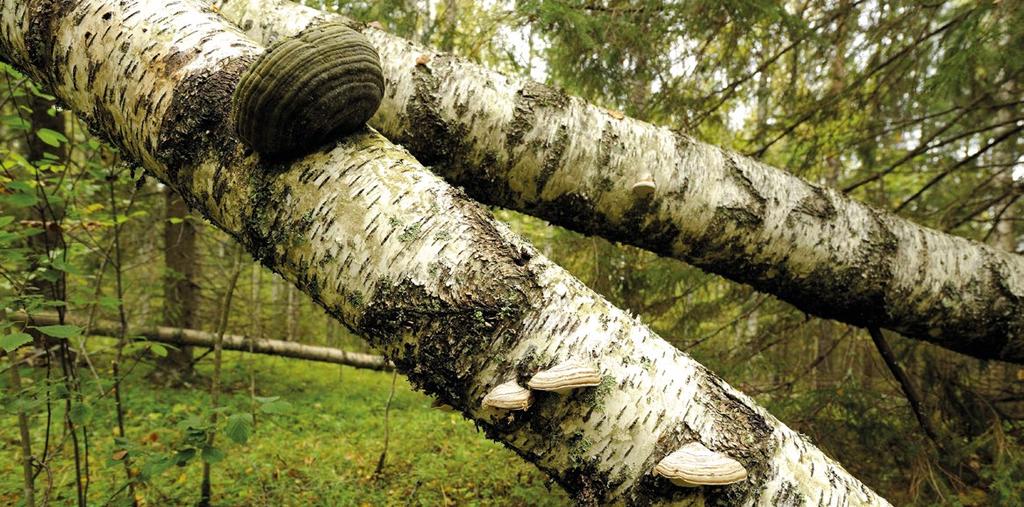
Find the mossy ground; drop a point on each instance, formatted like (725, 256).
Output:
(321, 451)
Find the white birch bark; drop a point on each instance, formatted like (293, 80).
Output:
(458, 302)
(515, 143)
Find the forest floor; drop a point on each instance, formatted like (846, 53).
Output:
(319, 448)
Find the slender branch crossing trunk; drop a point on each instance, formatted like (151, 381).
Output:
(456, 300)
(195, 338)
(515, 143)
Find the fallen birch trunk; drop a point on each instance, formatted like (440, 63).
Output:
(515, 143)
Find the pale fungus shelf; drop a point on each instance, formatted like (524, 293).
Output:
(645, 187)
(565, 377)
(695, 465)
(509, 396)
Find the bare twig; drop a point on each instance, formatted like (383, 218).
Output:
(387, 414)
(908, 388)
(205, 488)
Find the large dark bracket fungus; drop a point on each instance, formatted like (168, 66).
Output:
(324, 82)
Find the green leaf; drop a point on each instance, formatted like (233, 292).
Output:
(51, 137)
(40, 94)
(23, 186)
(158, 350)
(238, 427)
(60, 331)
(175, 220)
(60, 391)
(192, 421)
(109, 302)
(6, 220)
(61, 265)
(15, 122)
(80, 413)
(155, 467)
(9, 342)
(212, 455)
(184, 456)
(20, 200)
(276, 407)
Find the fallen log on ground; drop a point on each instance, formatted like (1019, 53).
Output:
(181, 337)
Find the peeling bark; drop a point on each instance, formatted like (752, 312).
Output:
(456, 300)
(515, 143)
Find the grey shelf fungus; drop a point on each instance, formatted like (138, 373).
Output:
(565, 377)
(324, 82)
(509, 396)
(645, 186)
(695, 465)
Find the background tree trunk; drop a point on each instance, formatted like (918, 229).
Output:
(180, 287)
(48, 213)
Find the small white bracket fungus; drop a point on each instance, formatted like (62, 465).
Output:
(695, 465)
(565, 377)
(509, 396)
(645, 187)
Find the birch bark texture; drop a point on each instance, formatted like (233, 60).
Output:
(457, 301)
(515, 143)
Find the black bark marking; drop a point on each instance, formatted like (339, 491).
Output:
(817, 204)
(196, 121)
(485, 313)
(175, 60)
(532, 96)
(752, 215)
(553, 159)
(44, 17)
(437, 140)
(789, 495)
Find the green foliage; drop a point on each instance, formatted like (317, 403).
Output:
(10, 342)
(60, 331)
(238, 427)
(51, 137)
(321, 452)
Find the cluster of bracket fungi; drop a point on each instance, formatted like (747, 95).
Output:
(692, 465)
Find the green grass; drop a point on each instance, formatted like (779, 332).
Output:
(320, 452)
